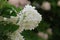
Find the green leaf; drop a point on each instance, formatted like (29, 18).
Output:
(30, 35)
(7, 27)
(7, 10)
(43, 26)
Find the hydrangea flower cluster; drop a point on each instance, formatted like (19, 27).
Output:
(27, 19)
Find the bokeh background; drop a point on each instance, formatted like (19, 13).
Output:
(49, 27)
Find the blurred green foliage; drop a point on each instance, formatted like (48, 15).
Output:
(6, 28)
(7, 10)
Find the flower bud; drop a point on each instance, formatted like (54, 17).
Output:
(46, 6)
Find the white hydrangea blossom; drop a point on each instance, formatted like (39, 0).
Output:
(29, 18)
(16, 36)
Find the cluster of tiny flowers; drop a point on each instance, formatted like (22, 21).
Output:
(27, 19)
(16, 36)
